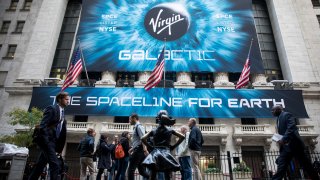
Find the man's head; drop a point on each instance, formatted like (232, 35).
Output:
(62, 99)
(91, 132)
(192, 122)
(276, 110)
(184, 129)
(133, 119)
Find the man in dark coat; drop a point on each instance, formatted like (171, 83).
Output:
(52, 137)
(291, 145)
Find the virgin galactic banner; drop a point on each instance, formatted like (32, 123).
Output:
(198, 35)
(216, 103)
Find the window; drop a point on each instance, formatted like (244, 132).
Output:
(80, 119)
(266, 40)
(13, 5)
(315, 3)
(206, 121)
(3, 77)
(202, 77)
(27, 5)
(121, 119)
(248, 121)
(5, 27)
(318, 17)
(66, 39)
(126, 79)
(11, 51)
(19, 27)
(93, 78)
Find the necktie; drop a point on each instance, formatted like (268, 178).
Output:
(58, 129)
(278, 124)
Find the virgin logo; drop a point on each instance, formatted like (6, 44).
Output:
(163, 22)
(160, 24)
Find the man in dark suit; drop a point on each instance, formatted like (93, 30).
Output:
(291, 145)
(52, 137)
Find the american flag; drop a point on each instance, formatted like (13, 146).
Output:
(244, 77)
(75, 69)
(157, 73)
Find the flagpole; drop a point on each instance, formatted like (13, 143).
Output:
(164, 65)
(84, 64)
(250, 48)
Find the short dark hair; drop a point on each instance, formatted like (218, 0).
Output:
(61, 95)
(134, 115)
(124, 134)
(90, 131)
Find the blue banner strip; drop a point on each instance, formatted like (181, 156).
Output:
(205, 103)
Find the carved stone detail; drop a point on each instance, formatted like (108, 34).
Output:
(184, 80)
(108, 80)
(260, 80)
(221, 79)
(142, 79)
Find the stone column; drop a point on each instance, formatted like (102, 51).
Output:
(221, 81)
(142, 79)
(108, 80)
(259, 81)
(297, 41)
(184, 80)
(42, 45)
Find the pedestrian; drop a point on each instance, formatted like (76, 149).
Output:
(291, 145)
(138, 151)
(195, 145)
(104, 156)
(184, 155)
(160, 159)
(123, 162)
(52, 137)
(86, 149)
(114, 161)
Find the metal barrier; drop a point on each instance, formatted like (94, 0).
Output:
(243, 165)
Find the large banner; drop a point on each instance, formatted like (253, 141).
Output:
(216, 103)
(198, 35)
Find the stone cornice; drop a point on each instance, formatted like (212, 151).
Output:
(19, 90)
(309, 90)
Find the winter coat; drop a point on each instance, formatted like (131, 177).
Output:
(105, 156)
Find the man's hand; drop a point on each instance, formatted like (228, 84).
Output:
(146, 152)
(281, 142)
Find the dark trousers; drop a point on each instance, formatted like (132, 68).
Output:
(135, 162)
(122, 167)
(286, 155)
(100, 172)
(185, 165)
(47, 155)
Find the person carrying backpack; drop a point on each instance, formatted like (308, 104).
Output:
(124, 160)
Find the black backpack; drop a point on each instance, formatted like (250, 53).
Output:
(36, 134)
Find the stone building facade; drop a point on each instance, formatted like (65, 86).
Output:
(32, 32)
